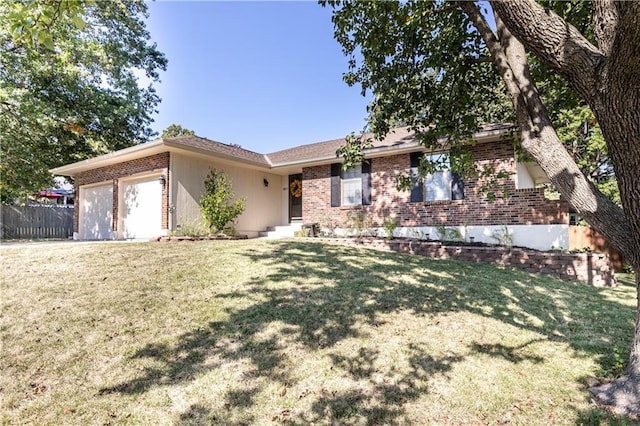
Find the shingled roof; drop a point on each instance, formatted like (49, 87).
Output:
(397, 139)
(220, 149)
(325, 150)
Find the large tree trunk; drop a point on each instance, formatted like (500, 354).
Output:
(623, 394)
(608, 78)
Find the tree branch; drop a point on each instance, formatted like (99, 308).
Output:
(557, 43)
(538, 136)
(500, 60)
(624, 62)
(605, 20)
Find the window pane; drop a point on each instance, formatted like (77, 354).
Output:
(437, 186)
(351, 192)
(440, 159)
(352, 173)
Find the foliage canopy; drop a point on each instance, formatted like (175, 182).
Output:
(174, 130)
(68, 84)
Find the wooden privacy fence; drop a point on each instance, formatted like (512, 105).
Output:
(585, 236)
(33, 222)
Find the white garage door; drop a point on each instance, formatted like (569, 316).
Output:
(95, 218)
(142, 209)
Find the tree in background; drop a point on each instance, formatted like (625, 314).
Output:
(444, 70)
(176, 130)
(68, 85)
(216, 204)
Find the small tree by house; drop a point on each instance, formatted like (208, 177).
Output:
(219, 211)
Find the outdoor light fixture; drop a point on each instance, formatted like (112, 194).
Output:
(162, 179)
(265, 182)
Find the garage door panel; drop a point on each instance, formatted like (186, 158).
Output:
(95, 217)
(142, 203)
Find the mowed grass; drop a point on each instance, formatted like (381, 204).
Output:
(261, 332)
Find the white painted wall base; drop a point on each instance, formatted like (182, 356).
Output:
(539, 237)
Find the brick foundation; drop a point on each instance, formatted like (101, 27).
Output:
(590, 268)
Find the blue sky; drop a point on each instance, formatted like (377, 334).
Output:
(265, 75)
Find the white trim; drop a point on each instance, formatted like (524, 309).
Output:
(170, 201)
(101, 183)
(119, 156)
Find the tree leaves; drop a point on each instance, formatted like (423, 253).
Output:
(67, 85)
(174, 130)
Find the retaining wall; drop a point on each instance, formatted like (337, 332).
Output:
(590, 268)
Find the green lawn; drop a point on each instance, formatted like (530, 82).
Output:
(260, 332)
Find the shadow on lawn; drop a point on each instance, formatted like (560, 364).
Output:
(366, 285)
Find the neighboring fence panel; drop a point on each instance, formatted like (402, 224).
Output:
(585, 236)
(35, 222)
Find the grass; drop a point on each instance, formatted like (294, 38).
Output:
(258, 332)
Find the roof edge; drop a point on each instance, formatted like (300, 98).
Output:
(68, 169)
(480, 137)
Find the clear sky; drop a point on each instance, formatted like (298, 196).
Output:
(265, 75)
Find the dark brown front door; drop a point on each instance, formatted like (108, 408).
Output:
(295, 197)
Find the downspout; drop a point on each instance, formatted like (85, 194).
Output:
(171, 211)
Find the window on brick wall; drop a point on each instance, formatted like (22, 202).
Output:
(351, 181)
(351, 187)
(437, 186)
(442, 185)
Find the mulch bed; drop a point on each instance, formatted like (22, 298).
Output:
(203, 238)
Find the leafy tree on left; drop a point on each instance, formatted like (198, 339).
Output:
(68, 85)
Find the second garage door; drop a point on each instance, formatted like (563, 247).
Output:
(142, 208)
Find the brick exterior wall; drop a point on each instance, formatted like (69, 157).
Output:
(158, 162)
(590, 268)
(522, 207)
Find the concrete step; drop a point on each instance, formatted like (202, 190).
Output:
(281, 231)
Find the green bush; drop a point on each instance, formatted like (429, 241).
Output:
(389, 226)
(448, 234)
(218, 210)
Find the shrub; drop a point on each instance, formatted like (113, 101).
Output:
(503, 236)
(359, 222)
(389, 226)
(218, 210)
(454, 234)
(302, 233)
(190, 229)
(448, 234)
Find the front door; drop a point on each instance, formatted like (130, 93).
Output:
(295, 197)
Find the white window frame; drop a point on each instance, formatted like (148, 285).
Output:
(352, 176)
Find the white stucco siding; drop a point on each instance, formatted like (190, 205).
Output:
(263, 203)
